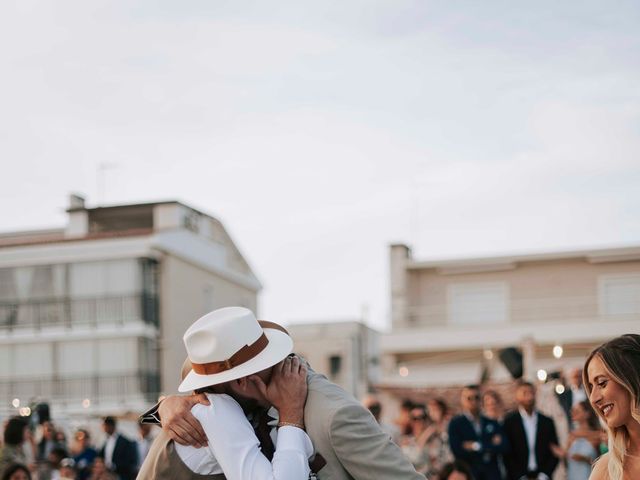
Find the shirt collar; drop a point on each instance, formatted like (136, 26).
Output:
(526, 416)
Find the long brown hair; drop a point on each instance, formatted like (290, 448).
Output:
(621, 359)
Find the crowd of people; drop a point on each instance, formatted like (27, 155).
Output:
(43, 452)
(483, 442)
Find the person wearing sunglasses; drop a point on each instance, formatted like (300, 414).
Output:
(476, 439)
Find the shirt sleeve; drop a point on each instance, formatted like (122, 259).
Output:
(236, 448)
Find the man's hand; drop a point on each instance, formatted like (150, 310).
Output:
(287, 389)
(177, 420)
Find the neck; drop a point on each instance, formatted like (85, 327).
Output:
(633, 429)
(529, 410)
(475, 415)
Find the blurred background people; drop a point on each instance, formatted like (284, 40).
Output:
(530, 435)
(476, 439)
(67, 469)
(573, 393)
(119, 453)
(413, 444)
(16, 471)
(583, 444)
(99, 470)
(403, 421)
(83, 453)
(456, 470)
(143, 442)
(372, 404)
(437, 437)
(492, 405)
(15, 434)
(48, 441)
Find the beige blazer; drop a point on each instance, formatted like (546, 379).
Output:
(349, 438)
(163, 463)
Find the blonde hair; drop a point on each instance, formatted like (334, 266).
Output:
(621, 359)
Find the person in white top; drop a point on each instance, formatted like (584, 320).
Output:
(236, 356)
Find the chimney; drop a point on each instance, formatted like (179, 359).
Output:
(78, 224)
(76, 202)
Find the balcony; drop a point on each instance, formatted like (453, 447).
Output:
(96, 388)
(67, 312)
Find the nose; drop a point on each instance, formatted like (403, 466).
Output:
(595, 396)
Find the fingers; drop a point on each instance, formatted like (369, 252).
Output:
(201, 398)
(183, 436)
(260, 385)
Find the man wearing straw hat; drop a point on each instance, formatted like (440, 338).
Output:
(261, 354)
(348, 442)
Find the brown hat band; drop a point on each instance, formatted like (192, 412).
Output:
(243, 355)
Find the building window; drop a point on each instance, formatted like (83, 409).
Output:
(335, 364)
(478, 303)
(619, 294)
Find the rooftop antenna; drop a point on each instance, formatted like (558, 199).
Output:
(101, 179)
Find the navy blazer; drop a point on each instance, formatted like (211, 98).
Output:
(125, 457)
(483, 462)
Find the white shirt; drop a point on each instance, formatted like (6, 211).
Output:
(109, 446)
(234, 448)
(530, 423)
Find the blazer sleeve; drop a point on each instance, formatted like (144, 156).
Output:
(501, 447)
(551, 462)
(455, 439)
(364, 450)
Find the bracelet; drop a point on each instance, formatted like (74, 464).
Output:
(289, 424)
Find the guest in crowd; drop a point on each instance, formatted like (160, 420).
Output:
(437, 437)
(16, 471)
(84, 453)
(371, 403)
(67, 469)
(492, 405)
(611, 376)
(119, 453)
(403, 421)
(573, 394)
(530, 435)
(99, 471)
(476, 439)
(413, 444)
(15, 433)
(143, 442)
(583, 443)
(47, 442)
(457, 470)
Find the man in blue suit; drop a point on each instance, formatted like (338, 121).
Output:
(476, 439)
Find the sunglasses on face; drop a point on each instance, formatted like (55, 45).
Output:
(473, 397)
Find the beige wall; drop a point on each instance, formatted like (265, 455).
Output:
(184, 298)
(353, 342)
(548, 290)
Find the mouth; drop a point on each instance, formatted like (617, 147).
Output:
(606, 409)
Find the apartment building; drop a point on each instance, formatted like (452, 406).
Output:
(346, 352)
(452, 320)
(92, 314)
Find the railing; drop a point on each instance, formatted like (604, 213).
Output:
(537, 309)
(80, 311)
(76, 389)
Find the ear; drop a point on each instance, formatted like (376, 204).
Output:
(241, 384)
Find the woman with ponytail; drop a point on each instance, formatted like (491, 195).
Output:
(612, 380)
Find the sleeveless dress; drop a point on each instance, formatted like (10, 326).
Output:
(580, 470)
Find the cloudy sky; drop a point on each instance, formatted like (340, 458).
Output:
(320, 132)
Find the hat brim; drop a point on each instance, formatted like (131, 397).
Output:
(280, 345)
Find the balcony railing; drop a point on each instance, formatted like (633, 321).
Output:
(537, 309)
(79, 311)
(76, 389)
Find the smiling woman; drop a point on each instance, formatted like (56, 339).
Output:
(612, 379)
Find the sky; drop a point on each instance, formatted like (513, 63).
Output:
(321, 132)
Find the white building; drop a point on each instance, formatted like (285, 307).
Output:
(347, 353)
(92, 315)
